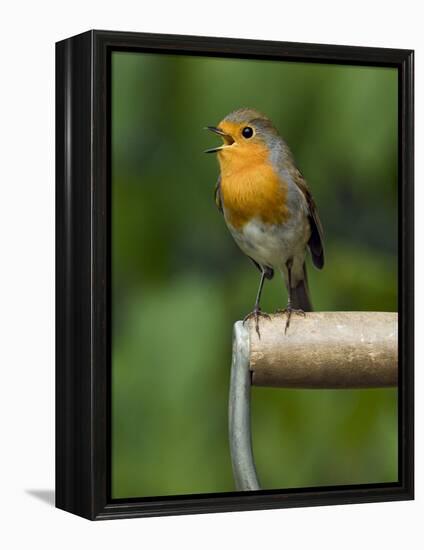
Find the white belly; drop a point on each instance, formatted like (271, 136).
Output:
(274, 245)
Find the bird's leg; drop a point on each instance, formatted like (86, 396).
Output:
(288, 310)
(256, 313)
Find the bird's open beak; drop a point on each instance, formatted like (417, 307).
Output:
(228, 140)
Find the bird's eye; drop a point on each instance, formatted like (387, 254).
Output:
(247, 132)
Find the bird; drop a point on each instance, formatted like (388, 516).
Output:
(267, 206)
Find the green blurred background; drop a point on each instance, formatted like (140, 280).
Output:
(179, 281)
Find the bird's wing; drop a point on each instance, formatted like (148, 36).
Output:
(316, 240)
(218, 200)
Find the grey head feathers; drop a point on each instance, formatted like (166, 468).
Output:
(280, 154)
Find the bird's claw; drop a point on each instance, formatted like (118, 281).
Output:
(289, 311)
(256, 314)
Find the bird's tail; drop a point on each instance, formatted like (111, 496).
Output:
(300, 298)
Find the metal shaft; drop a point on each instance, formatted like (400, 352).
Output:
(244, 470)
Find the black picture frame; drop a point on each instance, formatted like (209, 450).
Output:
(83, 274)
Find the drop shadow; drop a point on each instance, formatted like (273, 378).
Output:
(45, 495)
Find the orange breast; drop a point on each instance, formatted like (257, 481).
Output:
(253, 189)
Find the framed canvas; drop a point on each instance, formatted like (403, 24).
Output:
(173, 395)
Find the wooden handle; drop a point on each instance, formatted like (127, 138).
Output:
(326, 350)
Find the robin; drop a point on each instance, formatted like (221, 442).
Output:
(267, 206)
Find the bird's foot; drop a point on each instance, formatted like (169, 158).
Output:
(289, 311)
(256, 314)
